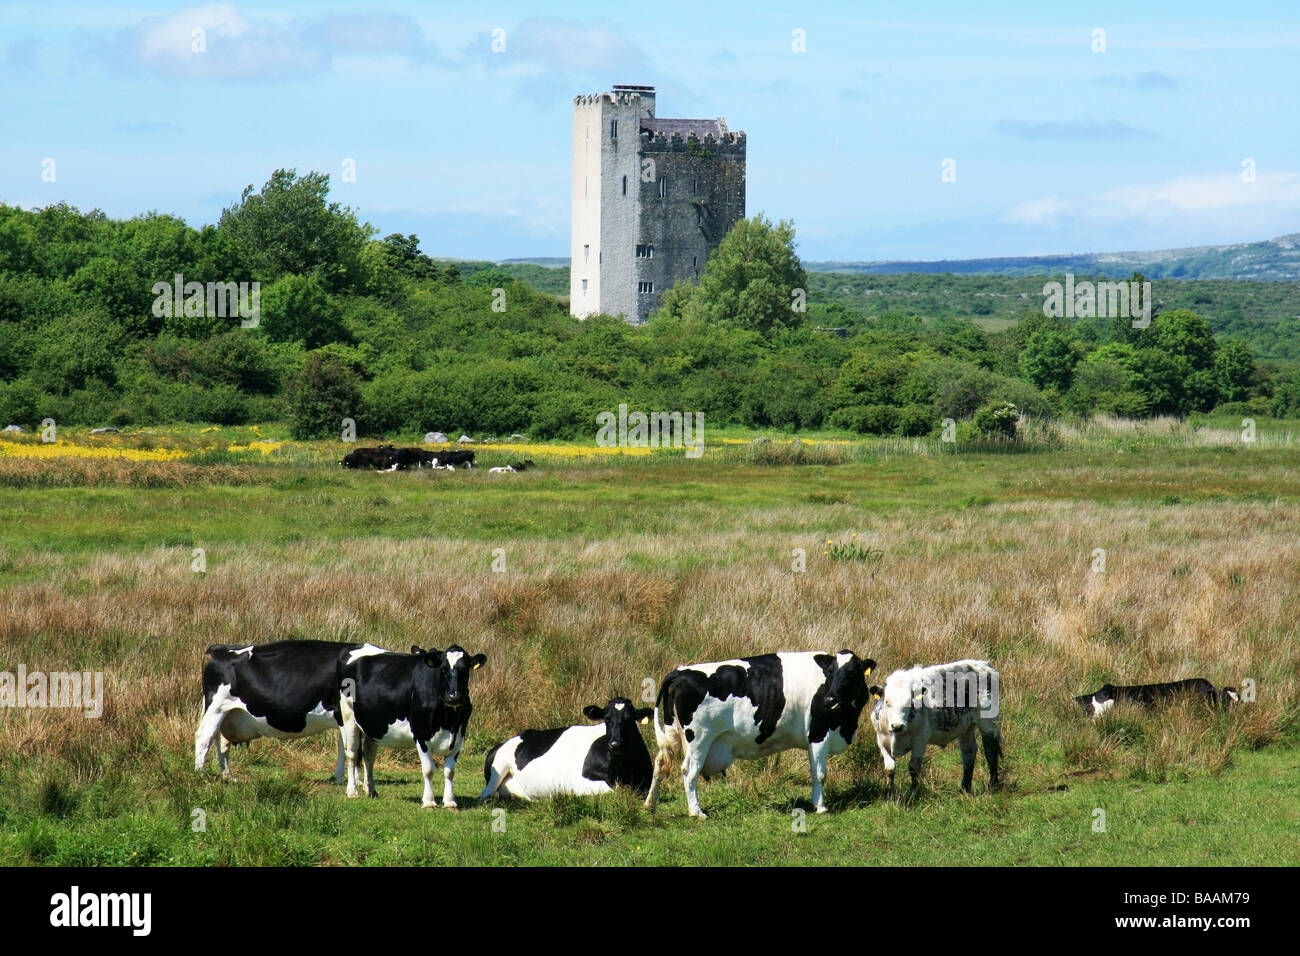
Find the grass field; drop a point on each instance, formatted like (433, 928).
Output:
(620, 567)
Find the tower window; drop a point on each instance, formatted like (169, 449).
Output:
(645, 251)
(663, 188)
(624, 185)
(586, 254)
(645, 288)
(695, 186)
(584, 286)
(613, 129)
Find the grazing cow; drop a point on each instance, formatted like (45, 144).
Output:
(284, 689)
(418, 700)
(382, 458)
(1148, 695)
(936, 705)
(710, 714)
(586, 759)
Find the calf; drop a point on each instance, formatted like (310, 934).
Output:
(1148, 695)
(418, 700)
(936, 705)
(711, 714)
(584, 759)
(284, 689)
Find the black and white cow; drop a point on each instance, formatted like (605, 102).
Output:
(585, 759)
(284, 689)
(937, 705)
(708, 715)
(1148, 695)
(455, 459)
(418, 700)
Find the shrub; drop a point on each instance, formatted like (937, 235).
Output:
(915, 420)
(997, 420)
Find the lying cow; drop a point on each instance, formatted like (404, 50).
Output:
(285, 689)
(418, 700)
(937, 705)
(1148, 695)
(710, 714)
(585, 759)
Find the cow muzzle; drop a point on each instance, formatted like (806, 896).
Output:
(898, 728)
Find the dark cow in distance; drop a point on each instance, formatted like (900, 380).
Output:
(1149, 695)
(284, 689)
(418, 700)
(380, 458)
(711, 714)
(584, 759)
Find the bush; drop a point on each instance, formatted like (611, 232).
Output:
(867, 419)
(915, 420)
(321, 396)
(997, 420)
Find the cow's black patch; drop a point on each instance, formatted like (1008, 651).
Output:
(763, 683)
(534, 743)
(849, 687)
(281, 682)
(422, 689)
(487, 764)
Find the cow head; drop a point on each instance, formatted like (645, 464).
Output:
(620, 716)
(1228, 696)
(847, 687)
(901, 701)
(453, 666)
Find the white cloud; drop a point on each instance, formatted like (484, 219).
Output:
(1183, 196)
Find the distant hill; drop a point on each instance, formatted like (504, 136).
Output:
(550, 262)
(1277, 260)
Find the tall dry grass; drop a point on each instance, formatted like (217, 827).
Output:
(1201, 590)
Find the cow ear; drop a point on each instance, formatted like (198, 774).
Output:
(478, 661)
(644, 714)
(416, 649)
(593, 712)
(868, 666)
(877, 692)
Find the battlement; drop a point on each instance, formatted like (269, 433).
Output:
(729, 142)
(617, 98)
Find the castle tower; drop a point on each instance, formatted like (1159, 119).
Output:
(651, 199)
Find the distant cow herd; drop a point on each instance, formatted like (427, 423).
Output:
(705, 716)
(392, 458)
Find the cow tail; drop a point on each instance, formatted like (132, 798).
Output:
(667, 735)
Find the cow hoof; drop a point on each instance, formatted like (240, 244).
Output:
(822, 810)
(352, 795)
(700, 815)
(451, 806)
(431, 805)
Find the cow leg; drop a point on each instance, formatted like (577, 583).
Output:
(967, 744)
(209, 727)
(890, 764)
(350, 737)
(223, 756)
(663, 761)
(818, 755)
(427, 768)
(448, 778)
(697, 751)
(992, 753)
(340, 766)
(914, 764)
(368, 750)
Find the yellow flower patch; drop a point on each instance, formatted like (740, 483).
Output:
(63, 449)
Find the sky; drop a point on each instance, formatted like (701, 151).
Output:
(1177, 125)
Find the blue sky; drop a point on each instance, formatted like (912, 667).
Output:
(1057, 148)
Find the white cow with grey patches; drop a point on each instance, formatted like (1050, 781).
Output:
(937, 705)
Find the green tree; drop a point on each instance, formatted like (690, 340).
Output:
(752, 281)
(324, 393)
(1048, 359)
(298, 309)
(288, 227)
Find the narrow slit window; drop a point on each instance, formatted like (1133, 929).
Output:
(586, 253)
(663, 188)
(584, 286)
(645, 288)
(645, 251)
(613, 129)
(624, 185)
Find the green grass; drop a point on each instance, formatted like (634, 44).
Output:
(620, 569)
